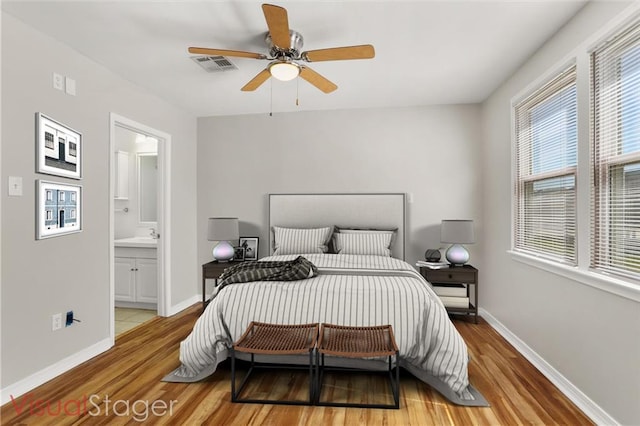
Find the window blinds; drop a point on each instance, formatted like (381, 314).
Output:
(615, 124)
(546, 136)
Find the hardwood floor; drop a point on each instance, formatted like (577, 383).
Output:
(122, 386)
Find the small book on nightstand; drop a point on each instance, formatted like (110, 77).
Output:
(432, 265)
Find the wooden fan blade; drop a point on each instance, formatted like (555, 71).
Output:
(363, 51)
(317, 80)
(224, 52)
(278, 24)
(257, 81)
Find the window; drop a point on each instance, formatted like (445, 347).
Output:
(615, 116)
(73, 149)
(545, 192)
(49, 215)
(60, 196)
(49, 195)
(48, 140)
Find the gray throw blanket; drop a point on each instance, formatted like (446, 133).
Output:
(289, 270)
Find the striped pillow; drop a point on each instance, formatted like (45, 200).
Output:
(370, 243)
(393, 232)
(300, 241)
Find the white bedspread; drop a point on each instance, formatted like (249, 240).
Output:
(349, 290)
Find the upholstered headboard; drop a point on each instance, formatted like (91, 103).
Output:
(375, 211)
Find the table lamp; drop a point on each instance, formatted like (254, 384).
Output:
(457, 232)
(223, 230)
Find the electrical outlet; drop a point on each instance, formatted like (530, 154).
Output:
(58, 81)
(56, 322)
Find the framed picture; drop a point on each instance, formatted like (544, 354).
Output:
(238, 254)
(59, 148)
(250, 245)
(59, 209)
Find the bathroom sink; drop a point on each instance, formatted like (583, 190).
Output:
(145, 242)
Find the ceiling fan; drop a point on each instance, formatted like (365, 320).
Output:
(285, 54)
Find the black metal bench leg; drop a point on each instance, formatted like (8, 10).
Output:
(236, 393)
(396, 391)
(233, 375)
(311, 377)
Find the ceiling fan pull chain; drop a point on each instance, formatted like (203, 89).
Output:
(271, 99)
(297, 90)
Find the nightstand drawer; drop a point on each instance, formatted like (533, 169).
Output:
(450, 276)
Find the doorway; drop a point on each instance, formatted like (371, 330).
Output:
(144, 227)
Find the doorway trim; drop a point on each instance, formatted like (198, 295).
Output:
(164, 213)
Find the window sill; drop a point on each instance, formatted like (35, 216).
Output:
(620, 287)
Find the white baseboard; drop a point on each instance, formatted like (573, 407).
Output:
(53, 371)
(590, 408)
(184, 304)
(36, 379)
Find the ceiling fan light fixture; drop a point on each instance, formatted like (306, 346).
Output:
(284, 71)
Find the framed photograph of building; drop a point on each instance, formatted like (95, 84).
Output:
(250, 245)
(59, 148)
(59, 209)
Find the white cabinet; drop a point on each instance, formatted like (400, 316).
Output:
(124, 278)
(146, 280)
(122, 175)
(136, 280)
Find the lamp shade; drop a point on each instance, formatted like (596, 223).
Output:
(223, 229)
(457, 232)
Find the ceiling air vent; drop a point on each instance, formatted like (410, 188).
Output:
(214, 63)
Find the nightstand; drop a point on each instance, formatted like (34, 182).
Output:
(212, 270)
(449, 277)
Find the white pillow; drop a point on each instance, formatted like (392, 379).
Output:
(369, 243)
(300, 241)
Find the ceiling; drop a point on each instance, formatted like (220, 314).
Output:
(427, 52)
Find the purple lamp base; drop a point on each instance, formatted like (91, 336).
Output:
(223, 252)
(457, 255)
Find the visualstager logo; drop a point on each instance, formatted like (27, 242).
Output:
(93, 405)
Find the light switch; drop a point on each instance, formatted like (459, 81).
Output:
(15, 186)
(410, 197)
(70, 86)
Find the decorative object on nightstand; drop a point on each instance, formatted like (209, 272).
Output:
(223, 230)
(432, 255)
(456, 233)
(456, 286)
(238, 255)
(250, 245)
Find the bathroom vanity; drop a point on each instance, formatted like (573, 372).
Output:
(136, 272)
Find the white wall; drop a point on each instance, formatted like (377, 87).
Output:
(40, 278)
(590, 336)
(431, 152)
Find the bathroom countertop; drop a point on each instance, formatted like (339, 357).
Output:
(142, 242)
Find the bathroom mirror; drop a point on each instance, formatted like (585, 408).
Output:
(148, 188)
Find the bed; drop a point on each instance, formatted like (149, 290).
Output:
(361, 280)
